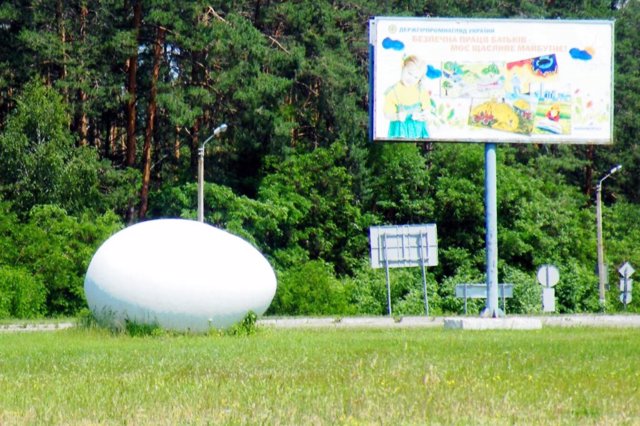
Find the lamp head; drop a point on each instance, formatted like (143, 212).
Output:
(220, 129)
(616, 169)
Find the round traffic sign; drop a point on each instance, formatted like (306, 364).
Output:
(548, 275)
(625, 298)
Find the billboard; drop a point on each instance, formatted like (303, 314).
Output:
(491, 80)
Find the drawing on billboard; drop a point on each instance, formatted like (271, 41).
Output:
(407, 103)
(492, 80)
(472, 80)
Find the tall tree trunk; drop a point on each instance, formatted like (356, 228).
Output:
(176, 144)
(132, 90)
(110, 147)
(256, 14)
(83, 121)
(151, 115)
(62, 33)
(588, 171)
(197, 68)
(195, 141)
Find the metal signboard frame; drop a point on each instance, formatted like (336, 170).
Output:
(402, 246)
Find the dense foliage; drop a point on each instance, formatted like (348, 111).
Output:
(103, 106)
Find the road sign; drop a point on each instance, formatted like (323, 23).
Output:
(548, 275)
(626, 284)
(626, 270)
(625, 298)
(479, 291)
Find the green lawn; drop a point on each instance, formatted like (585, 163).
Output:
(333, 376)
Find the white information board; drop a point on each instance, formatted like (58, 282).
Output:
(403, 246)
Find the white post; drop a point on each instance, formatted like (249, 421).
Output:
(201, 184)
(602, 275)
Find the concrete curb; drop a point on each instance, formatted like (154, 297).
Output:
(476, 323)
(468, 323)
(352, 322)
(592, 321)
(24, 328)
(515, 323)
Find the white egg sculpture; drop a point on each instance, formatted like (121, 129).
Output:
(178, 274)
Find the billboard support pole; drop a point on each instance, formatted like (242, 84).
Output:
(492, 309)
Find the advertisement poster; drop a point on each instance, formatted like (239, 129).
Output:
(491, 80)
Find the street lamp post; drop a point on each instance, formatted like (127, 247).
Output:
(216, 132)
(602, 273)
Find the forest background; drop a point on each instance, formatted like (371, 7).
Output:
(103, 105)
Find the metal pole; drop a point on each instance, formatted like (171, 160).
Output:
(386, 268)
(201, 184)
(626, 288)
(465, 298)
(602, 275)
(424, 275)
(491, 225)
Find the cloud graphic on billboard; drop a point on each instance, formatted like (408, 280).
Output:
(584, 55)
(388, 43)
(543, 65)
(433, 73)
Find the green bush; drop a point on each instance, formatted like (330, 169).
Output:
(367, 292)
(527, 293)
(310, 289)
(411, 304)
(22, 295)
(59, 247)
(247, 327)
(577, 290)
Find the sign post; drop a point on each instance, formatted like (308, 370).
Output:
(386, 271)
(400, 246)
(421, 244)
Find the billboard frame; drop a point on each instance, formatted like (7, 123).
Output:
(603, 64)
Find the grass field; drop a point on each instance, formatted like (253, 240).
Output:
(330, 376)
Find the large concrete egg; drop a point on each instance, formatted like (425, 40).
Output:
(179, 274)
